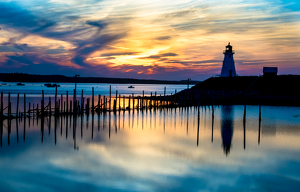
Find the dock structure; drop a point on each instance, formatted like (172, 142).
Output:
(73, 106)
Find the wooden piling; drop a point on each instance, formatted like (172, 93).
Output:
(109, 96)
(165, 90)
(115, 106)
(143, 99)
(124, 102)
(67, 101)
(104, 104)
(55, 100)
(129, 102)
(50, 106)
(42, 104)
(82, 102)
(37, 110)
(74, 102)
(99, 103)
(61, 103)
(133, 101)
(17, 111)
(150, 105)
(119, 102)
(9, 107)
(2, 107)
(93, 99)
(24, 105)
(259, 109)
(155, 101)
(32, 110)
(29, 109)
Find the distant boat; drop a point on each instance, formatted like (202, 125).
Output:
(130, 86)
(4, 84)
(20, 84)
(51, 85)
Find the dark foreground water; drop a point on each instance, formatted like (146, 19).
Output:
(154, 150)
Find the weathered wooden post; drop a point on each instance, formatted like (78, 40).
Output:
(2, 107)
(129, 102)
(92, 99)
(116, 96)
(155, 101)
(17, 111)
(109, 97)
(29, 109)
(150, 105)
(67, 101)
(133, 101)
(105, 104)
(50, 106)
(74, 102)
(143, 99)
(115, 106)
(61, 103)
(8, 110)
(32, 110)
(160, 99)
(165, 90)
(259, 109)
(70, 106)
(55, 100)
(42, 104)
(24, 105)
(124, 102)
(119, 102)
(99, 103)
(37, 110)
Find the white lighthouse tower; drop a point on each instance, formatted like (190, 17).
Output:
(228, 68)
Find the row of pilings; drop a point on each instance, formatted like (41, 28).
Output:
(73, 105)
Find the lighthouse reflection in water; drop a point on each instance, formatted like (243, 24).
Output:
(184, 149)
(226, 127)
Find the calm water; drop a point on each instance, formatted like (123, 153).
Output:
(154, 150)
(35, 89)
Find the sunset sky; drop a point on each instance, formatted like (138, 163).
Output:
(148, 39)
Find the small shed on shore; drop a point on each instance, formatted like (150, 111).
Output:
(270, 71)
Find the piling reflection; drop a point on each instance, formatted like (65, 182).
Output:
(196, 123)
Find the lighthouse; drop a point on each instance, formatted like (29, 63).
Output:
(228, 68)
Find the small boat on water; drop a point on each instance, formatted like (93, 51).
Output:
(51, 85)
(130, 86)
(20, 84)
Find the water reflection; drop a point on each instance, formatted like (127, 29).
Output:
(154, 150)
(227, 127)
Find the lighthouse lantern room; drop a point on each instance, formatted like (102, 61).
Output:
(228, 68)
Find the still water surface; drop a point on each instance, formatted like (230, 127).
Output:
(154, 150)
(35, 89)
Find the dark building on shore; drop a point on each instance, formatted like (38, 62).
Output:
(270, 71)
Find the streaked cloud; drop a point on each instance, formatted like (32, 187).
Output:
(96, 36)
